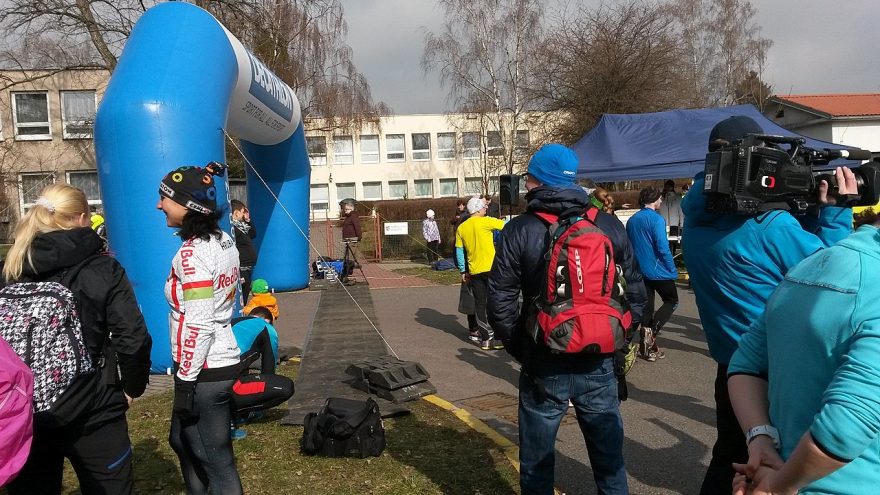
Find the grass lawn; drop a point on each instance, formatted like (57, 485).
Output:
(445, 277)
(429, 451)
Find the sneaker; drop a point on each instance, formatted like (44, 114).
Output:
(656, 351)
(496, 344)
(474, 337)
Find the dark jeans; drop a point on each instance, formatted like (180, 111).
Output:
(480, 286)
(246, 273)
(204, 447)
(101, 458)
(433, 251)
(731, 444)
(669, 294)
(543, 401)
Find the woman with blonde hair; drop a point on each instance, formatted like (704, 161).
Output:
(52, 241)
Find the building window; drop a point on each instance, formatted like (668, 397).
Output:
(31, 185)
(78, 114)
(396, 146)
(345, 190)
(421, 146)
(87, 182)
(319, 198)
(30, 112)
(449, 188)
(494, 145)
(446, 145)
(521, 142)
(373, 190)
(369, 148)
(397, 189)
(470, 145)
(473, 185)
(424, 188)
(317, 146)
(343, 152)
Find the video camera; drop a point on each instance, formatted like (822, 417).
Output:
(758, 173)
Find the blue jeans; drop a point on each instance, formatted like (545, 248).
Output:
(544, 392)
(204, 447)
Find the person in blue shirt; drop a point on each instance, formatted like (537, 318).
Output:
(734, 263)
(264, 390)
(806, 376)
(647, 234)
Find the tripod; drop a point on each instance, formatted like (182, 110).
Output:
(350, 257)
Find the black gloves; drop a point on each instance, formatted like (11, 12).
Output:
(184, 400)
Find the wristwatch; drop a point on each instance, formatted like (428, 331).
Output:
(767, 430)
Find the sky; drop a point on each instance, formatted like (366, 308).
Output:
(819, 46)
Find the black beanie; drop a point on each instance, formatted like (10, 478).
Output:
(732, 129)
(193, 187)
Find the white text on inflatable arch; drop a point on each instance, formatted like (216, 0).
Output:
(270, 90)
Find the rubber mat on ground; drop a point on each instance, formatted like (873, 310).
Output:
(340, 335)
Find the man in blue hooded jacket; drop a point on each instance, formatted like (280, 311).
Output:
(548, 381)
(735, 262)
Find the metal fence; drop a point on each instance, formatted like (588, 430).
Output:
(378, 243)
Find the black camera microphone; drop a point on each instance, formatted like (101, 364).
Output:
(852, 154)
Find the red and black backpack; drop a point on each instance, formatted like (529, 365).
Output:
(581, 306)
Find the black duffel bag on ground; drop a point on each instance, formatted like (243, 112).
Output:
(344, 428)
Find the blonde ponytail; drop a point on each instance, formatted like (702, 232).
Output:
(59, 207)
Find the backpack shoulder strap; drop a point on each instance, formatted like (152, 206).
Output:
(591, 214)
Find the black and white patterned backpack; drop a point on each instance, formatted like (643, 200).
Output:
(41, 322)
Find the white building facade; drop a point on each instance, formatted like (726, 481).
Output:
(415, 156)
(849, 119)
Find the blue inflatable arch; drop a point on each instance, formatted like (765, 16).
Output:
(181, 80)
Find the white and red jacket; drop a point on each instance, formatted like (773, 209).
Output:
(201, 293)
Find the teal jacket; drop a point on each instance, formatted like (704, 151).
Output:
(818, 343)
(647, 234)
(736, 261)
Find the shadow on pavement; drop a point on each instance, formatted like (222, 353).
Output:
(658, 467)
(439, 444)
(497, 363)
(687, 406)
(450, 324)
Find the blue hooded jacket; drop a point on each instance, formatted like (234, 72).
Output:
(736, 261)
(647, 234)
(828, 382)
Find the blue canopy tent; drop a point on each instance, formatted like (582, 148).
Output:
(663, 145)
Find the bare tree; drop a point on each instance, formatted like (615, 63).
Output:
(723, 45)
(620, 59)
(302, 40)
(485, 55)
(753, 90)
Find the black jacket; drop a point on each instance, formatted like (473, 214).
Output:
(109, 313)
(247, 254)
(519, 266)
(351, 226)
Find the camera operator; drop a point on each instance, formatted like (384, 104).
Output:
(351, 224)
(735, 262)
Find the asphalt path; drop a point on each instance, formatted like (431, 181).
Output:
(668, 419)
